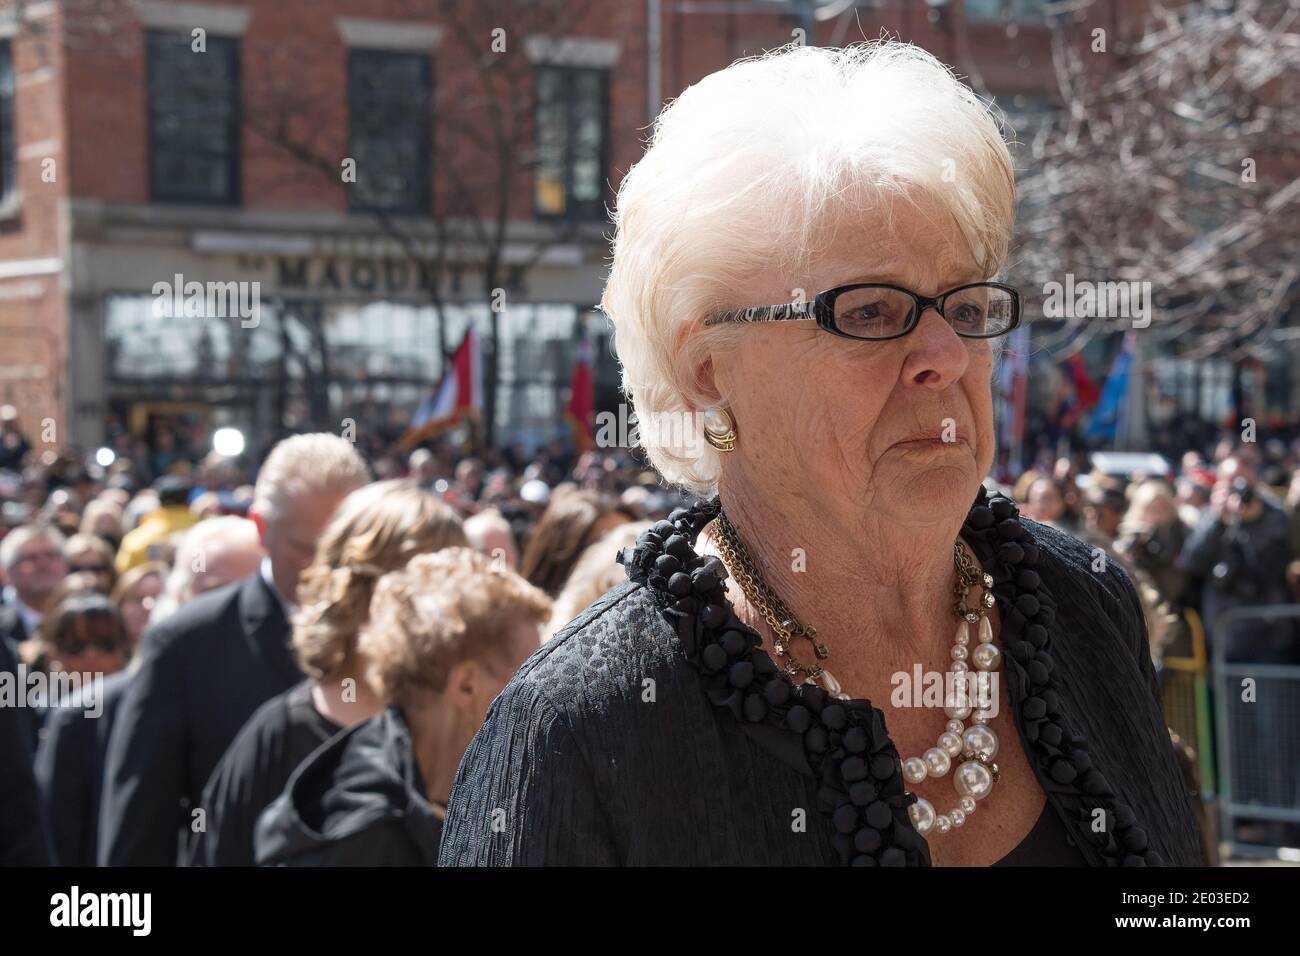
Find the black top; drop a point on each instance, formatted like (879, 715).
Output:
(22, 830)
(70, 769)
(1047, 844)
(31, 716)
(635, 736)
(202, 673)
(358, 800)
(253, 772)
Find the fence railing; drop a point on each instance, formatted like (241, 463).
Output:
(1257, 736)
(1186, 696)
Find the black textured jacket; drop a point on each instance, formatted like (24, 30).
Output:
(357, 800)
(576, 765)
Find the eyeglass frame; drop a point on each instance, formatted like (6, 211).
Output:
(823, 310)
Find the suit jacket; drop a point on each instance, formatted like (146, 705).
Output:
(12, 633)
(70, 771)
(202, 673)
(12, 629)
(22, 831)
(620, 742)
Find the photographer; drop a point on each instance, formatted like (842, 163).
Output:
(1240, 550)
(1152, 538)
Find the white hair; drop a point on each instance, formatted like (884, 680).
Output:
(739, 175)
(197, 546)
(15, 539)
(318, 462)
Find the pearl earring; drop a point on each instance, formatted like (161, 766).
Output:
(720, 429)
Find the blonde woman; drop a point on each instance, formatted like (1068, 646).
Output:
(377, 529)
(445, 634)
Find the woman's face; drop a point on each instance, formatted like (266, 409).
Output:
(90, 646)
(138, 604)
(89, 561)
(1158, 512)
(1045, 502)
(903, 428)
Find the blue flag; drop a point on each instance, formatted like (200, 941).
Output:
(1104, 423)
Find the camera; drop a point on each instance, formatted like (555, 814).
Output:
(1244, 490)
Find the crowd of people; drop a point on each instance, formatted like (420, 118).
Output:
(287, 658)
(1220, 534)
(224, 625)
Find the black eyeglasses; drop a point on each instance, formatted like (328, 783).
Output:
(877, 311)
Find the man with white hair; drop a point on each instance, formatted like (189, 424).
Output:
(489, 532)
(204, 670)
(212, 554)
(33, 562)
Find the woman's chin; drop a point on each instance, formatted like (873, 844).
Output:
(936, 493)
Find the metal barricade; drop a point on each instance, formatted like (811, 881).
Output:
(1257, 718)
(1185, 695)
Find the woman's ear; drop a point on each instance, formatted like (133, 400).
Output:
(706, 381)
(702, 373)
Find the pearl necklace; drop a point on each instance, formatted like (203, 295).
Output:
(976, 745)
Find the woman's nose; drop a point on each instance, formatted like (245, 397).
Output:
(937, 357)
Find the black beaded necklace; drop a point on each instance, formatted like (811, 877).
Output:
(846, 742)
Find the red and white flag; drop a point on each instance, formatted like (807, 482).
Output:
(458, 396)
(581, 409)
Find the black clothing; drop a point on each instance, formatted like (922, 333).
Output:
(1243, 564)
(70, 771)
(31, 715)
(357, 801)
(22, 829)
(12, 629)
(202, 672)
(1047, 844)
(622, 742)
(253, 772)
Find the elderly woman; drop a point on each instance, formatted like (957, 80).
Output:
(804, 258)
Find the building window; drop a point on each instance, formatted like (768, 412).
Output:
(8, 148)
(572, 130)
(193, 119)
(1006, 11)
(389, 101)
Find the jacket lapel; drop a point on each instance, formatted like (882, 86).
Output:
(266, 627)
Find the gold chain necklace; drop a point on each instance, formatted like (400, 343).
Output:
(965, 752)
(786, 626)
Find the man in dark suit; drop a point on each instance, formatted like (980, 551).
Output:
(204, 670)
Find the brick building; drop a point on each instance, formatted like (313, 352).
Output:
(384, 172)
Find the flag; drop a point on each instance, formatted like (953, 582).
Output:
(1104, 423)
(580, 412)
(1131, 432)
(1084, 392)
(458, 396)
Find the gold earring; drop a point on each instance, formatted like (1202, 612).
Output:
(720, 429)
